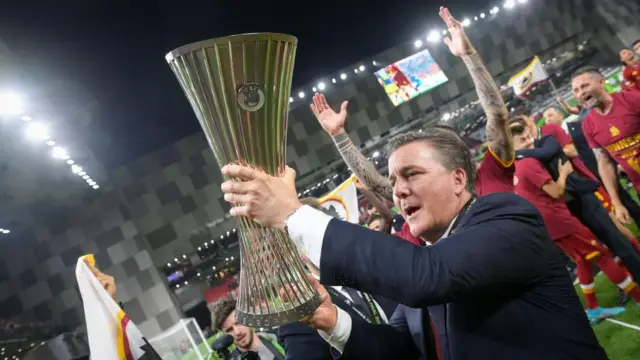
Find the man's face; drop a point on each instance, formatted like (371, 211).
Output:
(588, 89)
(375, 225)
(636, 48)
(426, 193)
(523, 141)
(626, 55)
(242, 335)
(553, 116)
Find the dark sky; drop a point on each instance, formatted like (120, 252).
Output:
(116, 49)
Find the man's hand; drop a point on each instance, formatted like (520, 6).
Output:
(107, 282)
(331, 122)
(266, 199)
(564, 169)
(325, 317)
(360, 186)
(622, 214)
(459, 43)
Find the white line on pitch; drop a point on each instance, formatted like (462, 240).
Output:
(634, 327)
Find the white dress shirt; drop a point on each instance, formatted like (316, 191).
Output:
(307, 227)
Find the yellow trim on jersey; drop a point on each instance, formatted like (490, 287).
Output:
(505, 165)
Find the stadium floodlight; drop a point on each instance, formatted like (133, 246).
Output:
(475, 18)
(301, 95)
(314, 89)
(290, 99)
(361, 68)
(355, 71)
(333, 80)
(444, 32)
(417, 44)
(466, 22)
(85, 176)
(96, 187)
(482, 16)
(82, 173)
(11, 104)
(434, 36)
(59, 153)
(25, 118)
(509, 4)
(51, 143)
(522, 1)
(495, 10)
(343, 76)
(374, 63)
(37, 131)
(446, 116)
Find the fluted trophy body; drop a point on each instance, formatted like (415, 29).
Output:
(239, 88)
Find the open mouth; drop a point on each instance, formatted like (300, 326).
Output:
(587, 99)
(411, 210)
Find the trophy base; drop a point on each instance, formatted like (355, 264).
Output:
(270, 321)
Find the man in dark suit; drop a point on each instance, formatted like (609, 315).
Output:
(493, 272)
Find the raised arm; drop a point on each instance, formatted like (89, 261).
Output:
(497, 129)
(607, 170)
(574, 110)
(333, 124)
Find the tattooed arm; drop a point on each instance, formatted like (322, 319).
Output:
(498, 133)
(377, 184)
(607, 170)
(497, 129)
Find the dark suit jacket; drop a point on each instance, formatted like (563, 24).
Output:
(505, 290)
(302, 342)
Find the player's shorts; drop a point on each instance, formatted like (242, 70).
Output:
(581, 245)
(604, 198)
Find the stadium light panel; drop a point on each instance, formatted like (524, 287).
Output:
(343, 76)
(333, 80)
(25, 118)
(70, 162)
(522, 1)
(417, 44)
(59, 153)
(314, 89)
(434, 36)
(37, 131)
(290, 99)
(466, 22)
(509, 4)
(482, 16)
(301, 95)
(11, 104)
(361, 68)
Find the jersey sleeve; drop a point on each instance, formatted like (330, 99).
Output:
(587, 130)
(533, 171)
(558, 133)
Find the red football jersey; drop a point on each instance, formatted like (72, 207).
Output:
(618, 132)
(493, 175)
(564, 139)
(529, 179)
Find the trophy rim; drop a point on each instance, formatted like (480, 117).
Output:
(185, 49)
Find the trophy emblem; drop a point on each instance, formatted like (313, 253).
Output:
(239, 88)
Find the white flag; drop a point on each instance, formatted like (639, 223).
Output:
(527, 78)
(112, 335)
(342, 202)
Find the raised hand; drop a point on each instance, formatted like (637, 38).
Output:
(108, 282)
(564, 169)
(459, 43)
(331, 122)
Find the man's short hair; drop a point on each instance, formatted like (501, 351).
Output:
(553, 107)
(517, 127)
(451, 150)
(220, 311)
(635, 43)
(589, 69)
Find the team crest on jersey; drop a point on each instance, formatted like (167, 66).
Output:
(614, 130)
(515, 180)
